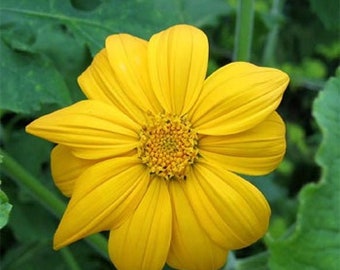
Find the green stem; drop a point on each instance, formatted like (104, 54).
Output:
(99, 243)
(69, 259)
(47, 198)
(244, 30)
(258, 261)
(22, 177)
(270, 46)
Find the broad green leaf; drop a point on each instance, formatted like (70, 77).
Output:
(5, 209)
(43, 41)
(5, 206)
(199, 12)
(29, 80)
(69, 56)
(137, 17)
(315, 241)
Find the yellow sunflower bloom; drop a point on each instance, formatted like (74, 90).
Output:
(152, 154)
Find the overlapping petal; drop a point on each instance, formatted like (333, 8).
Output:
(66, 168)
(104, 196)
(177, 60)
(91, 128)
(233, 212)
(128, 58)
(99, 82)
(237, 97)
(191, 248)
(256, 151)
(144, 240)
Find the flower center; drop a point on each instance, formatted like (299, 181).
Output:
(168, 145)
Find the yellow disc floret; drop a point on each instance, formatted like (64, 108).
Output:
(168, 145)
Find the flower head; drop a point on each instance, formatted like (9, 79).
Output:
(152, 154)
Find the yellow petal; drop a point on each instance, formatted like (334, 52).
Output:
(143, 241)
(66, 168)
(128, 58)
(104, 196)
(98, 82)
(237, 97)
(91, 128)
(256, 151)
(177, 62)
(233, 212)
(191, 248)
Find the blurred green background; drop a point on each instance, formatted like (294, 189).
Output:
(46, 44)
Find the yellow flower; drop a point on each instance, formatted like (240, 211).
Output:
(152, 154)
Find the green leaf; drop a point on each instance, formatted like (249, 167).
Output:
(28, 81)
(43, 44)
(5, 209)
(199, 12)
(137, 17)
(315, 241)
(70, 61)
(5, 206)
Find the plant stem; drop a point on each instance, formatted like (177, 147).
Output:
(244, 30)
(69, 259)
(99, 243)
(270, 46)
(258, 261)
(22, 177)
(44, 196)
